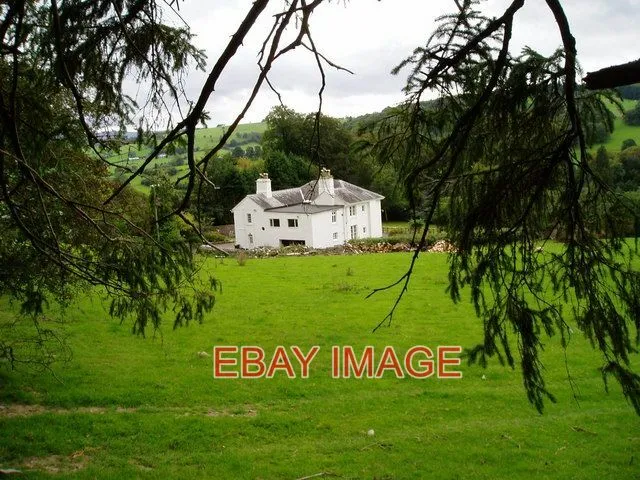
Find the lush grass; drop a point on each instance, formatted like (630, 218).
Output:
(181, 423)
(621, 131)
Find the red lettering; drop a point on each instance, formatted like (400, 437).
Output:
(366, 361)
(219, 362)
(335, 362)
(252, 356)
(389, 361)
(305, 361)
(443, 361)
(425, 365)
(280, 361)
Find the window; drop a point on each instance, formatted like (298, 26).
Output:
(364, 229)
(250, 239)
(248, 218)
(292, 222)
(354, 232)
(274, 222)
(335, 235)
(352, 210)
(334, 216)
(286, 243)
(364, 208)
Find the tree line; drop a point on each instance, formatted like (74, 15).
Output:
(293, 149)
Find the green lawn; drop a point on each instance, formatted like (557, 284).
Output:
(150, 408)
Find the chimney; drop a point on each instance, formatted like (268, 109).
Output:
(325, 184)
(263, 184)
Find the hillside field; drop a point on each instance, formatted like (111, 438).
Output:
(621, 131)
(206, 138)
(132, 156)
(130, 407)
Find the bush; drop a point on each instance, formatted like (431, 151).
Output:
(626, 214)
(632, 117)
(629, 142)
(214, 236)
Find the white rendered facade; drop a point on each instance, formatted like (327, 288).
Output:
(319, 214)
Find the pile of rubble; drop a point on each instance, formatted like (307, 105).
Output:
(379, 247)
(291, 251)
(355, 248)
(442, 246)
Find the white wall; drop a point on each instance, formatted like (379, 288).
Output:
(265, 235)
(375, 218)
(324, 228)
(315, 230)
(272, 236)
(241, 226)
(367, 221)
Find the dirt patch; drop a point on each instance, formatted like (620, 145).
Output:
(18, 410)
(126, 410)
(140, 464)
(57, 463)
(250, 412)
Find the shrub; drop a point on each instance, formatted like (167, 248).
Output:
(628, 143)
(632, 117)
(241, 258)
(214, 236)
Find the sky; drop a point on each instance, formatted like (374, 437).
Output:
(370, 37)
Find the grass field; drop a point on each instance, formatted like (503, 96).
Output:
(206, 139)
(127, 407)
(621, 131)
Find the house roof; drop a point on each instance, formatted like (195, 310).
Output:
(345, 193)
(293, 199)
(303, 208)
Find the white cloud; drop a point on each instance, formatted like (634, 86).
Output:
(371, 37)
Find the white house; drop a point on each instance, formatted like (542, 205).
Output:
(318, 214)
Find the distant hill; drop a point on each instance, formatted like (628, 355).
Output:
(630, 92)
(249, 135)
(207, 138)
(621, 131)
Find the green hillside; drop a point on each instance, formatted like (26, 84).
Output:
(131, 156)
(206, 138)
(621, 131)
(247, 135)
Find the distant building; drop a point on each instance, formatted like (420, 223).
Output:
(318, 214)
